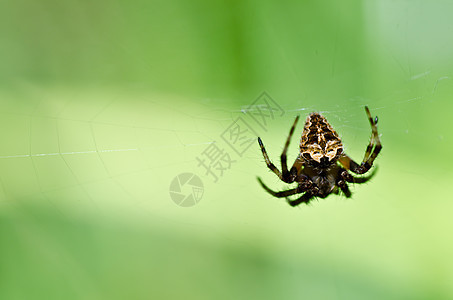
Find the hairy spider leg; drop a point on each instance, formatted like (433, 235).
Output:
(344, 188)
(346, 177)
(283, 194)
(372, 150)
(285, 176)
(269, 164)
(305, 198)
(349, 178)
(374, 139)
(341, 182)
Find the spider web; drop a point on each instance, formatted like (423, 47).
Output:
(112, 156)
(97, 151)
(80, 150)
(88, 145)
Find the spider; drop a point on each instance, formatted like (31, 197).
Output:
(321, 166)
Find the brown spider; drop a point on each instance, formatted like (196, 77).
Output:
(321, 166)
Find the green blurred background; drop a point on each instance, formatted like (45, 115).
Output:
(103, 103)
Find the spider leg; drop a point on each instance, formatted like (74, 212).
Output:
(281, 194)
(269, 164)
(349, 178)
(369, 157)
(288, 176)
(372, 150)
(305, 198)
(285, 175)
(307, 186)
(344, 187)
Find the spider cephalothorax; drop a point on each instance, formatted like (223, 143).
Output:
(321, 166)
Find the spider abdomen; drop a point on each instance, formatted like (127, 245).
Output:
(319, 141)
